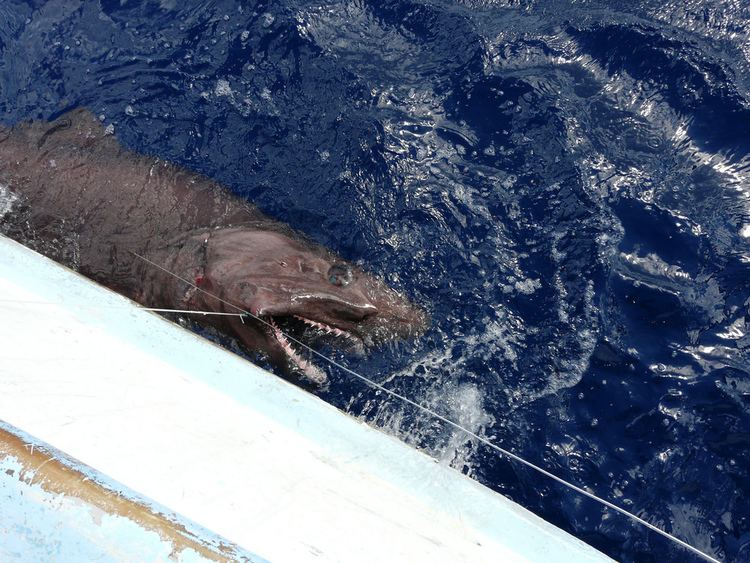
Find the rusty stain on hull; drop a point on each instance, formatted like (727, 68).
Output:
(58, 474)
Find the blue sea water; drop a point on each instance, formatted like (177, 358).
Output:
(565, 186)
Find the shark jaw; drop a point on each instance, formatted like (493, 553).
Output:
(302, 333)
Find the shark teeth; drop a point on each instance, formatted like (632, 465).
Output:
(326, 328)
(315, 374)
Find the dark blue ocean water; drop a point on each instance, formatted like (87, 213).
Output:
(565, 186)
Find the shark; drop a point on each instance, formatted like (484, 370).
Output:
(167, 237)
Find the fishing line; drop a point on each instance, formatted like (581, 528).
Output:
(242, 313)
(153, 309)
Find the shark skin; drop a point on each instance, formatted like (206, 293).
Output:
(69, 190)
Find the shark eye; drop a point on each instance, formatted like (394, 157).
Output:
(340, 274)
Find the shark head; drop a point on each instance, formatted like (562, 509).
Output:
(298, 292)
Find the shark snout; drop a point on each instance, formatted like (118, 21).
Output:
(336, 307)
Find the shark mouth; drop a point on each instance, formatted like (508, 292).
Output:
(301, 330)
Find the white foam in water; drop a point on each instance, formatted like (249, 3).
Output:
(461, 403)
(7, 200)
(466, 407)
(527, 286)
(223, 88)
(259, 101)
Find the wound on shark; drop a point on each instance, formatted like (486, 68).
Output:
(74, 194)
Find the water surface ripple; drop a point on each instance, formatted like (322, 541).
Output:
(565, 188)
